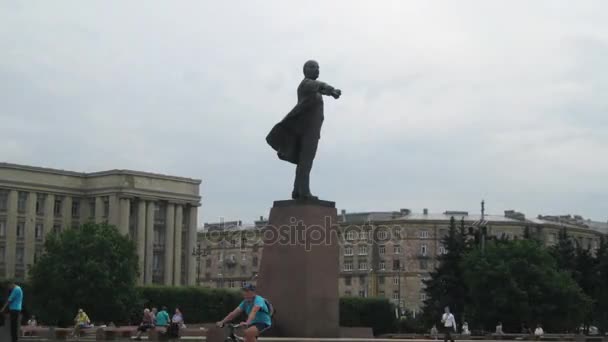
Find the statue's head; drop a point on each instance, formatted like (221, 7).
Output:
(311, 69)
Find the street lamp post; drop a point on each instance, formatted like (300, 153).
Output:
(198, 253)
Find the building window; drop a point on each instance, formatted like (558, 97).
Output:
(220, 256)
(38, 231)
(423, 250)
(381, 265)
(348, 266)
(423, 296)
(350, 235)
(397, 249)
(347, 281)
(396, 295)
(396, 265)
(106, 208)
(381, 293)
(40, 199)
(243, 257)
(156, 262)
(19, 255)
(361, 293)
(442, 250)
(231, 284)
(233, 243)
(382, 250)
(75, 208)
(254, 261)
(2, 228)
(92, 208)
(424, 264)
(158, 239)
(424, 234)
(20, 230)
(363, 250)
(347, 293)
(3, 200)
(56, 228)
(395, 280)
(362, 265)
(21, 201)
(208, 263)
(57, 207)
(348, 250)
(381, 280)
(2, 254)
(382, 235)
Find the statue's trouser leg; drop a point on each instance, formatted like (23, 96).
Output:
(308, 146)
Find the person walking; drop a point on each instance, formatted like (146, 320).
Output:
(14, 304)
(449, 324)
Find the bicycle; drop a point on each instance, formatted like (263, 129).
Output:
(232, 337)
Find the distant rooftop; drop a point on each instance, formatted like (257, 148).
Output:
(572, 221)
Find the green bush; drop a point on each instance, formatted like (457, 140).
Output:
(198, 304)
(377, 313)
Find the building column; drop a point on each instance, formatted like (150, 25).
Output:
(98, 209)
(169, 243)
(125, 212)
(177, 256)
(141, 239)
(11, 234)
(66, 213)
(149, 241)
(192, 239)
(114, 212)
(30, 230)
(49, 215)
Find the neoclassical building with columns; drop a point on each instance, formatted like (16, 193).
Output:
(158, 212)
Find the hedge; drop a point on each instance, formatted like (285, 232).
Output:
(198, 304)
(210, 305)
(377, 313)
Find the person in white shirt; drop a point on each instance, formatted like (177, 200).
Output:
(539, 332)
(449, 323)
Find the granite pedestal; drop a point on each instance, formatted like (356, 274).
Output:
(299, 268)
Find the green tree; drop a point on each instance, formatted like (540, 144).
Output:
(564, 252)
(446, 285)
(516, 281)
(92, 267)
(601, 291)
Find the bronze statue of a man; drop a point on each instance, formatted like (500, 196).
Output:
(296, 137)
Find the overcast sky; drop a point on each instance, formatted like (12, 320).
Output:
(444, 103)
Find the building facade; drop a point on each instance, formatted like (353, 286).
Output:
(158, 212)
(382, 254)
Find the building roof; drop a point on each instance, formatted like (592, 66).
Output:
(96, 174)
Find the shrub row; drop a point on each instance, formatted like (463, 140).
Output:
(200, 304)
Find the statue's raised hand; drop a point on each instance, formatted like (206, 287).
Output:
(336, 93)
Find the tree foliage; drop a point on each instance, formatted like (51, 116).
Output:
(516, 281)
(446, 285)
(92, 267)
